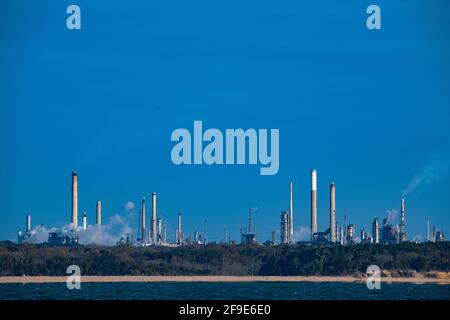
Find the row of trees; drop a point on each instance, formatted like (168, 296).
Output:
(217, 259)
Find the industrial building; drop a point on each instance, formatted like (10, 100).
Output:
(375, 231)
(249, 237)
(284, 225)
(156, 234)
(402, 235)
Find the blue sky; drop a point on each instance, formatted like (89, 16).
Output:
(367, 109)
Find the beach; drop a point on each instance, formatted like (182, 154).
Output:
(445, 280)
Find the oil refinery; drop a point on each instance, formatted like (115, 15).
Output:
(156, 232)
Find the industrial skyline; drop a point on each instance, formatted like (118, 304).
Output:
(375, 129)
(334, 234)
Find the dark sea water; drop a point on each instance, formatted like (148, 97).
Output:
(225, 290)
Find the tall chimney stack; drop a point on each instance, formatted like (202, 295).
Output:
(313, 202)
(375, 231)
(84, 220)
(159, 231)
(28, 224)
(332, 212)
(99, 213)
(179, 231)
(74, 199)
(250, 221)
(403, 222)
(291, 213)
(284, 232)
(205, 232)
(143, 220)
(154, 218)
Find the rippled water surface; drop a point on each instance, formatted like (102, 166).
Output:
(225, 290)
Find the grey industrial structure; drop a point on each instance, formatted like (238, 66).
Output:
(343, 234)
(284, 225)
(291, 212)
(74, 199)
(99, 213)
(332, 212)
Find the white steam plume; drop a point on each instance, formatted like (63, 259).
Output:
(107, 234)
(391, 215)
(302, 233)
(428, 175)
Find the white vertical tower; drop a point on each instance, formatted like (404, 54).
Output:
(28, 224)
(99, 213)
(74, 199)
(84, 220)
(291, 213)
(313, 202)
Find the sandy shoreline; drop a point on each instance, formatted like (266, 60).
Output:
(47, 279)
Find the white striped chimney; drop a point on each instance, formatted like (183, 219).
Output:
(291, 213)
(313, 202)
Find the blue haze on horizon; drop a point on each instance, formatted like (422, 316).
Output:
(369, 110)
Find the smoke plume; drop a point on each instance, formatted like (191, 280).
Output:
(106, 234)
(391, 215)
(302, 233)
(428, 175)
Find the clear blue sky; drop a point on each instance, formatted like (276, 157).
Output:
(367, 109)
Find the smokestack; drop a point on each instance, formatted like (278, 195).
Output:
(332, 212)
(375, 231)
(74, 199)
(337, 231)
(205, 235)
(84, 220)
(291, 213)
(143, 220)
(196, 237)
(99, 213)
(428, 230)
(250, 221)
(284, 231)
(313, 202)
(28, 223)
(154, 218)
(403, 222)
(159, 232)
(164, 233)
(350, 233)
(179, 231)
